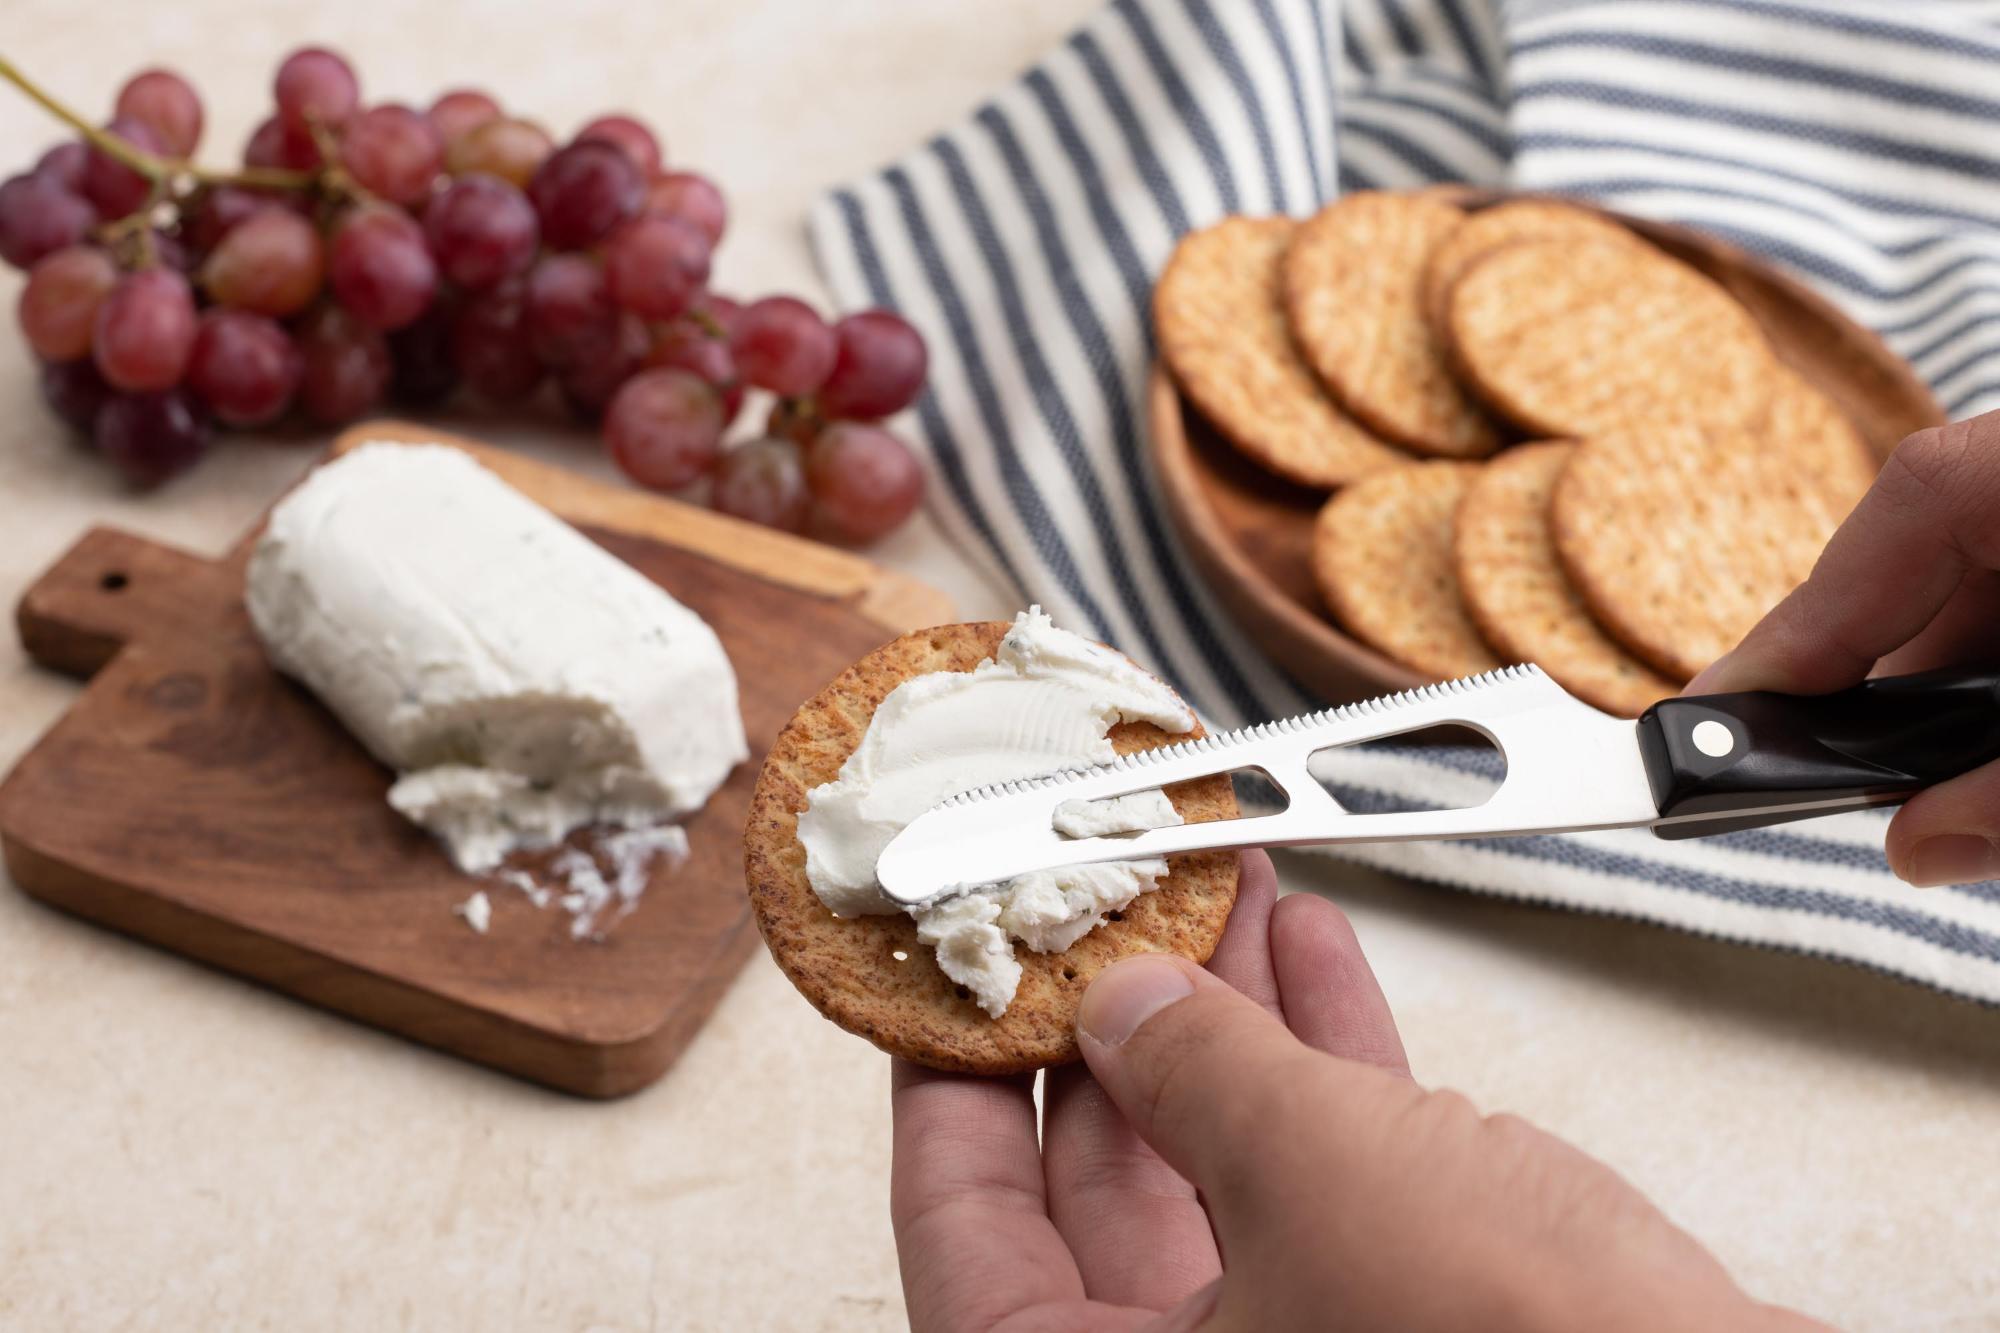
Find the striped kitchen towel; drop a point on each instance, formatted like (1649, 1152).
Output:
(1854, 142)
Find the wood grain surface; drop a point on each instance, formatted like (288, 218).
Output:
(1251, 535)
(194, 798)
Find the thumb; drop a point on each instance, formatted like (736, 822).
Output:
(1950, 833)
(1222, 1089)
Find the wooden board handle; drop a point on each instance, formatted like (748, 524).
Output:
(102, 592)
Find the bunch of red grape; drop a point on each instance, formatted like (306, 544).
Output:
(372, 253)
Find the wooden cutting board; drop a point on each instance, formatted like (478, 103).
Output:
(194, 798)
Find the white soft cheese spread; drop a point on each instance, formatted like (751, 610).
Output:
(522, 681)
(1043, 702)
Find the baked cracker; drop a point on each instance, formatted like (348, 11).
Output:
(1574, 337)
(1354, 289)
(1221, 324)
(1518, 595)
(849, 968)
(1679, 537)
(1503, 224)
(1382, 558)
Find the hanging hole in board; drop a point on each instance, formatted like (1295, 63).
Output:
(900, 955)
(114, 581)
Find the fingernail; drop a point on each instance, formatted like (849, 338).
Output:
(1953, 858)
(1128, 993)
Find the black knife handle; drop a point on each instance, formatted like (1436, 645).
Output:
(1735, 755)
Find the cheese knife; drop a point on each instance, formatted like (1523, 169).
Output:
(1686, 768)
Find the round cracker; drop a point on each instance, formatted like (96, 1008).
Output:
(1381, 555)
(1221, 324)
(1806, 422)
(1354, 291)
(1517, 594)
(1679, 537)
(848, 968)
(1503, 224)
(1576, 337)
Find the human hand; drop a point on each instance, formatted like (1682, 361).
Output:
(1908, 583)
(1341, 1193)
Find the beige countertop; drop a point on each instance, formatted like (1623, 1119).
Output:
(180, 1150)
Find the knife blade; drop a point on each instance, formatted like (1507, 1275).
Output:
(1686, 767)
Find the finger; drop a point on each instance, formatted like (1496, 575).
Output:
(1332, 1001)
(1965, 633)
(1135, 1227)
(1243, 958)
(1950, 833)
(965, 1197)
(1228, 1096)
(1887, 570)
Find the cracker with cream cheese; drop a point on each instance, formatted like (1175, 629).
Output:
(872, 974)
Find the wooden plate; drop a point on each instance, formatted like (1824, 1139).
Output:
(1251, 533)
(193, 798)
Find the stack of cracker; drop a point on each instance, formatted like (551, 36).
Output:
(1549, 440)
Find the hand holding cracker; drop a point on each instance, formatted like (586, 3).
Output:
(1910, 582)
(1272, 1082)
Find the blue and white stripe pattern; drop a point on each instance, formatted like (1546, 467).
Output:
(1851, 141)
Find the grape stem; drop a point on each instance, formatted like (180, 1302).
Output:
(153, 167)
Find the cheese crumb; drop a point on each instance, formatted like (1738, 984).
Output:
(477, 911)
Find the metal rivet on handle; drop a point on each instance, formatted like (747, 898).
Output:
(1713, 739)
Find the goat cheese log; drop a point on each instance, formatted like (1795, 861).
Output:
(521, 681)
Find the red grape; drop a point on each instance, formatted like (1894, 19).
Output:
(424, 375)
(864, 481)
(794, 420)
(151, 436)
(216, 211)
(602, 361)
(692, 198)
(687, 346)
(392, 152)
(629, 137)
(271, 263)
(64, 164)
(59, 301)
(244, 367)
(567, 301)
(482, 230)
(167, 248)
(283, 147)
(39, 217)
(763, 481)
(664, 428)
(582, 192)
(346, 366)
(74, 391)
(879, 368)
(490, 344)
(654, 266)
(167, 102)
(461, 110)
(379, 269)
(315, 87)
(783, 346)
(509, 149)
(717, 314)
(145, 330)
(116, 189)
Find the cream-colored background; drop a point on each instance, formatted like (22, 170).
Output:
(181, 1150)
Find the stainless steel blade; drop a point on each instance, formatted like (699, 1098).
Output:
(1569, 767)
